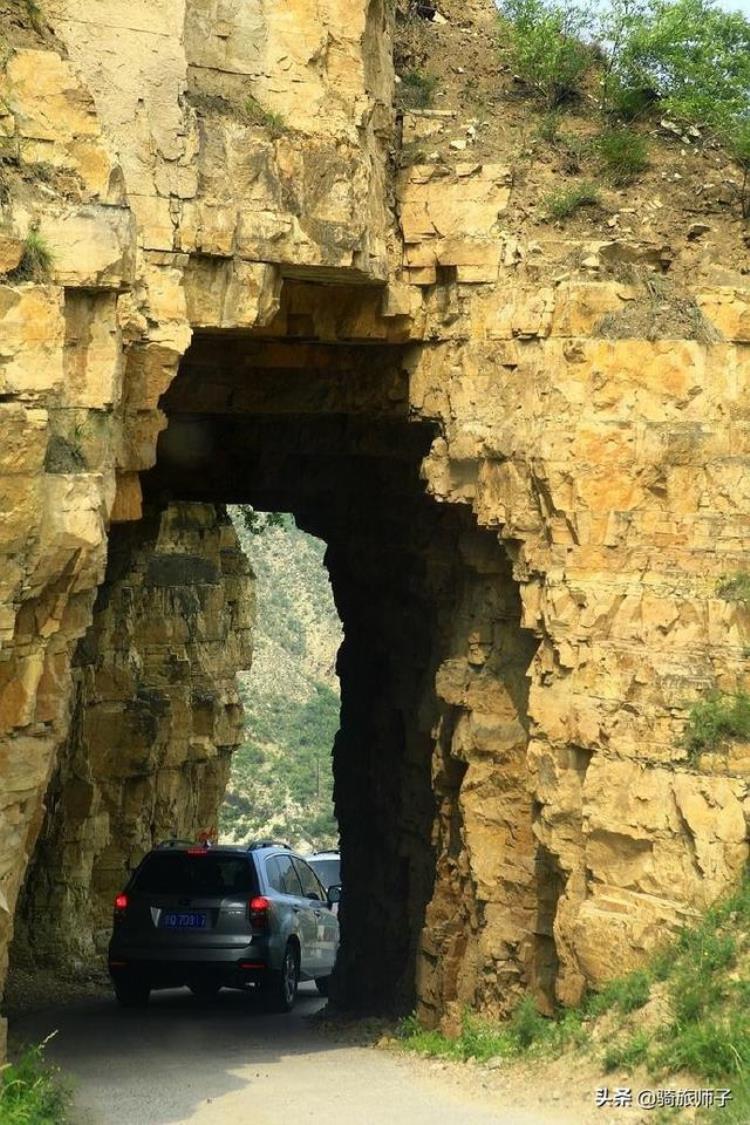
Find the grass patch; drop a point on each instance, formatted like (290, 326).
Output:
(561, 205)
(526, 1032)
(36, 261)
(266, 118)
(628, 1054)
(628, 993)
(418, 89)
(623, 155)
(735, 587)
(714, 720)
(31, 1092)
(699, 1024)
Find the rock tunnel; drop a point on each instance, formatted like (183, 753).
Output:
(432, 668)
(527, 518)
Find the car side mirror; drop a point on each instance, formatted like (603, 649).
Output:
(334, 894)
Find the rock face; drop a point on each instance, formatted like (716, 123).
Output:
(155, 718)
(528, 505)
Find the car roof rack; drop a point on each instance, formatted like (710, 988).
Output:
(267, 844)
(175, 842)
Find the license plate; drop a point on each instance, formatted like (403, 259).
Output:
(192, 920)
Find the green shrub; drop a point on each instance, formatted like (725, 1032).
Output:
(623, 154)
(735, 587)
(31, 1093)
(527, 1025)
(562, 204)
(716, 718)
(418, 89)
(737, 140)
(36, 261)
(628, 1054)
(546, 46)
(624, 103)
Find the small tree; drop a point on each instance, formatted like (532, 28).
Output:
(691, 55)
(546, 42)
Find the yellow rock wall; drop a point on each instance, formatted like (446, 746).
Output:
(155, 718)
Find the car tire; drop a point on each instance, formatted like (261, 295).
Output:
(204, 990)
(132, 991)
(281, 987)
(322, 984)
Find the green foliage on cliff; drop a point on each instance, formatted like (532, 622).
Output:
(563, 204)
(281, 776)
(36, 262)
(735, 587)
(716, 719)
(417, 89)
(547, 48)
(686, 59)
(282, 783)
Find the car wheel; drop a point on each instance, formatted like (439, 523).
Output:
(132, 992)
(281, 990)
(322, 983)
(204, 990)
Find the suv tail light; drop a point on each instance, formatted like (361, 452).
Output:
(121, 906)
(259, 910)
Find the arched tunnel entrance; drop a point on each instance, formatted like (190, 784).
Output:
(433, 802)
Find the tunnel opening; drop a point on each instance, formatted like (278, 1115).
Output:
(281, 780)
(431, 786)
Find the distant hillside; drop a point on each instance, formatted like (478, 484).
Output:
(281, 783)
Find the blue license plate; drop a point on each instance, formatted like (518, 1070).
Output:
(192, 920)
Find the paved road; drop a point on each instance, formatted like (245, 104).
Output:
(231, 1062)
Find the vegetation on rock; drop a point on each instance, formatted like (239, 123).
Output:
(562, 204)
(715, 719)
(266, 118)
(735, 587)
(546, 42)
(686, 59)
(36, 261)
(623, 154)
(685, 1013)
(417, 89)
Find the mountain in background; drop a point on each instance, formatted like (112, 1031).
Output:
(281, 785)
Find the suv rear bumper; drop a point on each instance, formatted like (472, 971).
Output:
(173, 974)
(231, 967)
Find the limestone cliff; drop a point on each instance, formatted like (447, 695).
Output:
(155, 718)
(528, 510)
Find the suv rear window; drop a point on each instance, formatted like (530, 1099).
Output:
(327, 871)
(207, 874)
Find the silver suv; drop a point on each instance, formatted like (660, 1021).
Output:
(212, 917)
